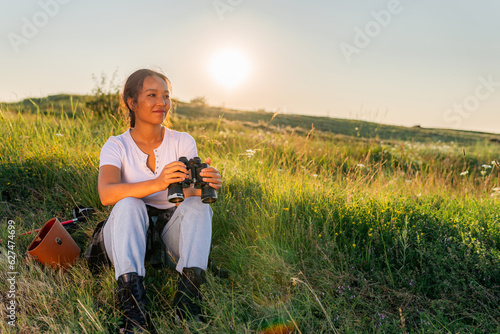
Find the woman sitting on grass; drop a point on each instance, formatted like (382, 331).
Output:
(135, 171)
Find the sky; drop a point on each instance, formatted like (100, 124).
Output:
(403, 62)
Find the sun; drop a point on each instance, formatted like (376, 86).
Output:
(229, 67)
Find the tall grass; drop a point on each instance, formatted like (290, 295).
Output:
(321, 233)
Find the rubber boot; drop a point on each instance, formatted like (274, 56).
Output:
(188, 295)
(132, 299)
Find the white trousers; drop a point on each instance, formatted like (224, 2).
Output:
(187, 235)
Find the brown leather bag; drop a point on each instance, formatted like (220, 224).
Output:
(53, 246)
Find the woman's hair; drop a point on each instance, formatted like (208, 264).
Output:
(133, 86)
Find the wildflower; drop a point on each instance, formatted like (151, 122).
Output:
(59, 134)
(360, 165)
(315, 175)
(319, 235)
(250, 153)
(354, 245)
(486, 166)
(286, 209)
(465, 173)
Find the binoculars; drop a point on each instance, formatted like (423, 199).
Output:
(194, 180)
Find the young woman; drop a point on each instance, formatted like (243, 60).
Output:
(135, 171)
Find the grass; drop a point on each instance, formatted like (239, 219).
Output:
(322, 231)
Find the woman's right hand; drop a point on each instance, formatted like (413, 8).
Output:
(172, 173)
(111, 189)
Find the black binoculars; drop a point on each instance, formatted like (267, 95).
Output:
(194, 180)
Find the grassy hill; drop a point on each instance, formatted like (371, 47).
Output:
(299, 123)
(354, 128)
(396, 230)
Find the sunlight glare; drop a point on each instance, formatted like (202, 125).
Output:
(229, 68)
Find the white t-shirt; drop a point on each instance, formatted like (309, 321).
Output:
(122, 151)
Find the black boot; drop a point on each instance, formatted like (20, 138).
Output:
(132, 298)
(188, 295)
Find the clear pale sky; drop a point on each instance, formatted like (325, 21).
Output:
(432, 63)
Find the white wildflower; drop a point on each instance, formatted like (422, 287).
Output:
(465, 173)
(250, 153)
(486, 166)
(360, 165)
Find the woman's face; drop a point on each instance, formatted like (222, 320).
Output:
(153, 101)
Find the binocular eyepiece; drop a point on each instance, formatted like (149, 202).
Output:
(194, 180)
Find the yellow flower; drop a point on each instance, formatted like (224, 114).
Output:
(319, 235)
(354, 245)
(286, 209)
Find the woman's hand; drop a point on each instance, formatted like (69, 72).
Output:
(111, 189)
(172, 173)
(212, 176)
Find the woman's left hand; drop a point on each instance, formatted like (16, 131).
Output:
(212, 176)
